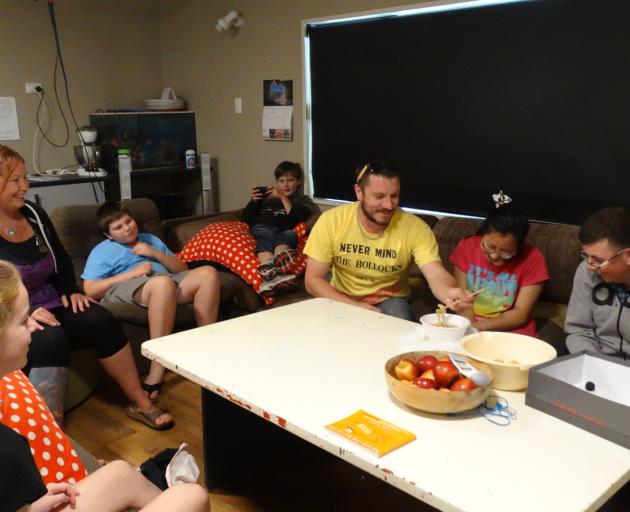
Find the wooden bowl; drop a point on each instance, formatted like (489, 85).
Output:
(433, 400)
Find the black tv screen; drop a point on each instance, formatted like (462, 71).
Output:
(530, 97)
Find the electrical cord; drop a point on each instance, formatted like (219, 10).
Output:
(37, 131)
(60, 65)
(42, 106)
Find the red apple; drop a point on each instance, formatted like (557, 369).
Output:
(445, 373)
(463, 384)
(426, 363)
(406, 369)
(428, 375)
(425, 383)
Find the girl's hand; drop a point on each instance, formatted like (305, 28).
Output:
(58, 494)
(43, 316)
(79, 302)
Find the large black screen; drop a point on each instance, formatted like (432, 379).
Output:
(530, 97)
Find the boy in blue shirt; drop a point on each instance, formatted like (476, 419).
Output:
(138, 267)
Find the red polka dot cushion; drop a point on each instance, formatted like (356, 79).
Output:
(23, 410)
(232, 245)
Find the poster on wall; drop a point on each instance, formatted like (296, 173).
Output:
(9, 129)
(277, 122)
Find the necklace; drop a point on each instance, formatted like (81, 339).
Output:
(363, 232)
(11, 231)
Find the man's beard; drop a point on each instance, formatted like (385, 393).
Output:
(371, 218)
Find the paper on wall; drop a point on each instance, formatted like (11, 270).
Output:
(277, 123)
(9, 129)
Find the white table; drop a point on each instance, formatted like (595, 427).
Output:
(309, 364)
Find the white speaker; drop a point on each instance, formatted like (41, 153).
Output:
(208, 202)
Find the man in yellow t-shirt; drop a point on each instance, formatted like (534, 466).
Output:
(371, 244)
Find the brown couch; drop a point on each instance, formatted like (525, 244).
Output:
(559, 244)
(76, 228)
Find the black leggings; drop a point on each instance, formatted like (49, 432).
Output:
(94, 328)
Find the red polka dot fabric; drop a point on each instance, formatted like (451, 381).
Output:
(232, 245)
(23, 410)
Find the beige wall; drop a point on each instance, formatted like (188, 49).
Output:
(210, 69)
(111, 52)
(119, 52)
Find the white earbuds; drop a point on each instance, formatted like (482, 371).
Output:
(231, 20)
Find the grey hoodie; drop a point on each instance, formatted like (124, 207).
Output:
(593, 327)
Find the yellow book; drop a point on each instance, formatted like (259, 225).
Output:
(377, 435)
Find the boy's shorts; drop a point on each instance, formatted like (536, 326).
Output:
(124, 292)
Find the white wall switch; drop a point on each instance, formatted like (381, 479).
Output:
(238, 105)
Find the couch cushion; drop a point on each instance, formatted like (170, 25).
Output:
(179, 231)
(561, 247)
(231, 245)
(23, 409)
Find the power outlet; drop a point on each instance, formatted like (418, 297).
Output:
(31, 87)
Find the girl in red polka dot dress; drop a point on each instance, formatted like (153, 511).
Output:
(24, 467)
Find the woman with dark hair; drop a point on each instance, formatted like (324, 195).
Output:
(508, 273)
(65, 319)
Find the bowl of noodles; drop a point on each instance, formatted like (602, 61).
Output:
(446, 328)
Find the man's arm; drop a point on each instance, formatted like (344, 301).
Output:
(444, 286)
(318, 286)
(460, 279)
(579, 324)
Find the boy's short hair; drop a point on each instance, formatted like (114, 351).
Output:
(292, 168)
(612, 224)
(108, 213)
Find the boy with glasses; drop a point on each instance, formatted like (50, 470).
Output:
(598, 317)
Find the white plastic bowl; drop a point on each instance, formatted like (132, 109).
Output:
(445, 334)
(88, 135)
(509, 355)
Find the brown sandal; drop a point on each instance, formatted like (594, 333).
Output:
(150, 418)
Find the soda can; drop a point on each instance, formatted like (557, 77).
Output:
(191, 159)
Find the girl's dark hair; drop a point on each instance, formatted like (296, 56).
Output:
(506, 220)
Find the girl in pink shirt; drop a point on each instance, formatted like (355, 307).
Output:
(510, 271)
